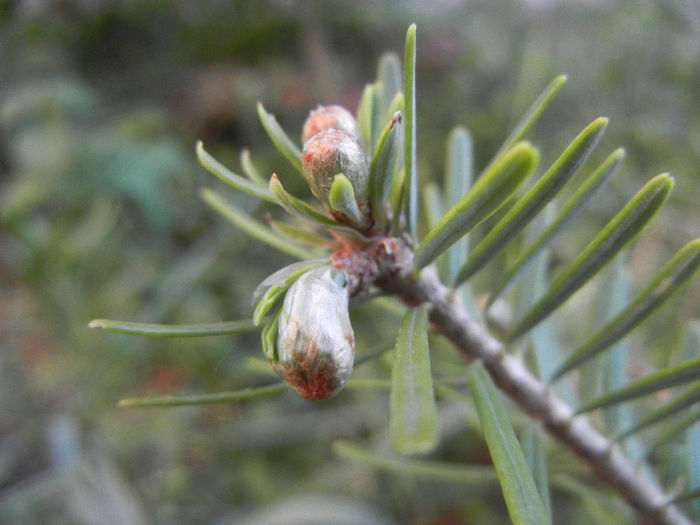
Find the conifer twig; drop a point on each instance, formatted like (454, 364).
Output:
(474, 341)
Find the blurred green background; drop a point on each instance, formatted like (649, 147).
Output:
(101, 104)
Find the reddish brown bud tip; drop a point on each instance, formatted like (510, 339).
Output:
(328, 117)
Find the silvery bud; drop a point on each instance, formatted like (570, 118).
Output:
(315, 341)
(330, 152)
(328, 117)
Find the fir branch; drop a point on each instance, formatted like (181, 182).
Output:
(474, 341)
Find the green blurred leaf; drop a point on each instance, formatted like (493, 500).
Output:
(21, 197)
(413, 412)
(377, 117)
(688, 495)
(545, 344)
(533, 113)
(372, 354)
(315, 507)
(257, 366)
(692, 459)
(176, 282)
(298, 234)
(139, 169)
(359, 383)
(410, 186)
(228, 177)
(691, 341)
(100, 217)
(525, 208)
(672, 433)
(397, 184)
(611, 297)
(417, 468)
(251, 226)
(432, 204)
(569, 212)
(533, 449)
(519, 489)
(250, 170)
(280, 139)
(678, 271)
(458, 180)
(691, 347)
(599, 507)
(246, 394)
(667, 378)
(486, 196)
(678, 404)
(624, 227)
(366, 114)
(389, 76)
(174, 330)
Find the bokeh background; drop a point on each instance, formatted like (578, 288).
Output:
(101, 104)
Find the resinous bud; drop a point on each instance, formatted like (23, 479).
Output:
(328, 117)
(315, 341)
(334, 151)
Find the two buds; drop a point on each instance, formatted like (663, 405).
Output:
(309, 339)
